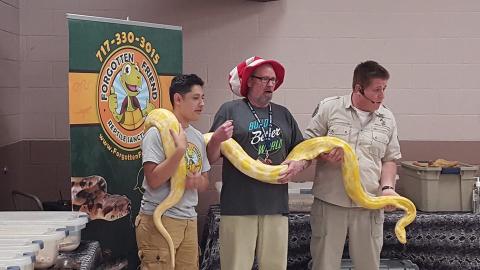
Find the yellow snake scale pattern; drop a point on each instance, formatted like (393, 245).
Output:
(164, 120)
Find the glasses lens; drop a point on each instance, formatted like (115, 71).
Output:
(266, 80)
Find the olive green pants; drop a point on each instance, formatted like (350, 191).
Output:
(330, 225)
(244, 237)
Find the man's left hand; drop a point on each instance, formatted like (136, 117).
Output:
(389, 192)
(294, 167)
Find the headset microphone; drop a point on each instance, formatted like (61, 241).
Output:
(367, 98)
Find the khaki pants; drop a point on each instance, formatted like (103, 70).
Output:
(243, 237)
(330, 224)
(153, 249)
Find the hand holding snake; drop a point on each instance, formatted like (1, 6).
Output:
(309, 149)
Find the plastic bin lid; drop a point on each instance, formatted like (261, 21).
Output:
(34, 228)
(53, 235)
(41, 215)
(409, 164)
(35, 248)
(462, 167)
(20, 230)
(23, 242)
(6, 254)
(18, 261)
(72, 223)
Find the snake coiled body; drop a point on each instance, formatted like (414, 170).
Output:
(165, 120)
(307, 150)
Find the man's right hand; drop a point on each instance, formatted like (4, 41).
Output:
(334, 156)
(179, 139)
(223, 132)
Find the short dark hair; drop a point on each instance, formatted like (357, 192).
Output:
(366, 71)
(182, 84)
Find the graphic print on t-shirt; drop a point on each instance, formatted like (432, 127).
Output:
(257, 137)
(193, 158)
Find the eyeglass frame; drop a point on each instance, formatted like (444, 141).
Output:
(265, 80)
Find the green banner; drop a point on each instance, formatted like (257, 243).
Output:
(119, 71)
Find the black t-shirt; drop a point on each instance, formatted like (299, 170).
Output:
(241, 194)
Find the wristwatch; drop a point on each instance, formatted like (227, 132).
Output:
(387, 187)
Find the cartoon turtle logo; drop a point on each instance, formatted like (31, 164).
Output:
(193, 158)
(128, 89)
(131, 115)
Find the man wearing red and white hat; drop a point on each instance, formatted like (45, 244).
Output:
(254, 218)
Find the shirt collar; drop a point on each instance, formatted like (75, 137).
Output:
(347, 100)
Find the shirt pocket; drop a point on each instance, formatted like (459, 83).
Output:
(340, 130)
(154, 258)
(317, 219)
(380, 141)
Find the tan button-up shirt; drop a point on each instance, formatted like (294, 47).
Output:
(373, 143)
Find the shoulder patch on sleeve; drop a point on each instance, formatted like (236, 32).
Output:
(323, 102)
(329, 99)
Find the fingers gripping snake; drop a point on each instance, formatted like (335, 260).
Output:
(164, 120)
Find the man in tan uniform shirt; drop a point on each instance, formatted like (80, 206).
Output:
(369, 127)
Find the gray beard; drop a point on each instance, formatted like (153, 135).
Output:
(262, 101)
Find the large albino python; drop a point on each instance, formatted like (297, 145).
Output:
(164, 120)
